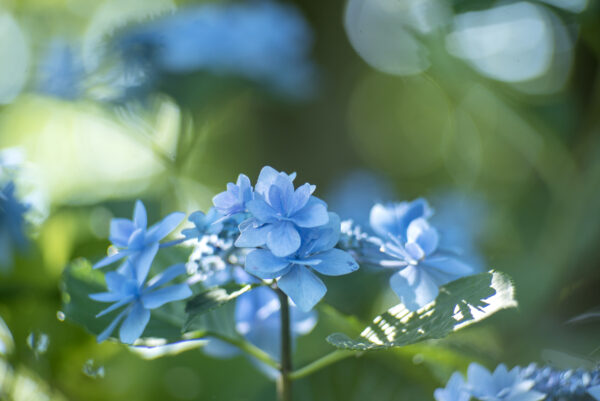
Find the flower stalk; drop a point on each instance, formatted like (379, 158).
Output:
(284, 383)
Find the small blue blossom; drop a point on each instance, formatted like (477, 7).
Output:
(234, 200)
(411, 245)
(278, 212)
(12, 225)
(60, 72)
(295, 272)
(570, 384)
(204, 224)
(455, 390)
(501, 385)
(135, 240)
(126, 289)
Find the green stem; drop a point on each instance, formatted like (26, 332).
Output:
(320, 363)
(284, 384)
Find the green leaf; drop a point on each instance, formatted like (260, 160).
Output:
(201, 308)
(79, 280)
(460, 303)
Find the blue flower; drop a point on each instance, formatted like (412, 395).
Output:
(126, 289)
(12, 224)
(570, 384)
(278, 212)
(234, 200)
(214, 38)
(60, 72)
(135, 240)
(502, 385)
(411, 245)
(455, 390)
(594, 392)
(204, 224)
(258, 320)
(295, 272)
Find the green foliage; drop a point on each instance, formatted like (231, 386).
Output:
(460, 303)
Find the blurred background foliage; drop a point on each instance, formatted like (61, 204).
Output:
(490, 109)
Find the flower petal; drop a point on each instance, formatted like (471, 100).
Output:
(528, 396)
(262, 263)
(163, 228)
(167, 275)
(261, 210)
(111, 259)
(303, 287)
(133, 326)
(142, 261)
(105, 297)
(594, 392)
(111, 327)
(120, 231)
(335, 262)
(420, 232)
(252, 237)
(414, 287)
(480, 380)
(450, 268)
(158, 298)
(140, 218)
(283, 239)
(301, 197)
(123, 301)
(314, 214)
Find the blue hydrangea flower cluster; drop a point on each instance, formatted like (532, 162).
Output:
(292, 233)
(411, 246)
(521, 384)
(138, 245)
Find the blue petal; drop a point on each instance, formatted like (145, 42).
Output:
(252, 237)
(137, 240)
(267, 177)
(226, 202)
(314, 214)
(283, 239)
(420, 232)
(262, 211)
(158, 298)
(335, 262)
(120, 231)
(111, 259)
(142, 261)
(111, 327)
(595, 392)
(116, 282)
(106, 296)
(281, 194)
(167, 275)
(301, 197)
(303, 287)
(133, 326)
(262, 263)
(414, 287)
(447, 268)
(528, 396)
(395, 218)
(140, 218)
(319, 239)
(163, 228)
(124, 301)
(480, 380)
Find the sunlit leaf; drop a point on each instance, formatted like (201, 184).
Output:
(460, 303)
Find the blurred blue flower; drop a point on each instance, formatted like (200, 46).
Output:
(215, 38)
(126, 288)
(455, 390)
(60, 72)
(501, 385)
(295, 272)
(411, 245)
(12, 225)
(570, 384)
(204, 224)
(258, 320)
(594, 392)
(234, 200)
(278, 212)
(135, 240)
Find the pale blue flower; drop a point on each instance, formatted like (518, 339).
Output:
(295, 272)
(279, 212)
(134, 239)
(455, 390)
(204, 224)
(60, 72)
(264, 41)
(126, 288)
(569, 384)
(12, 225)
(411, 245)
(501, 385)
(234, 200)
